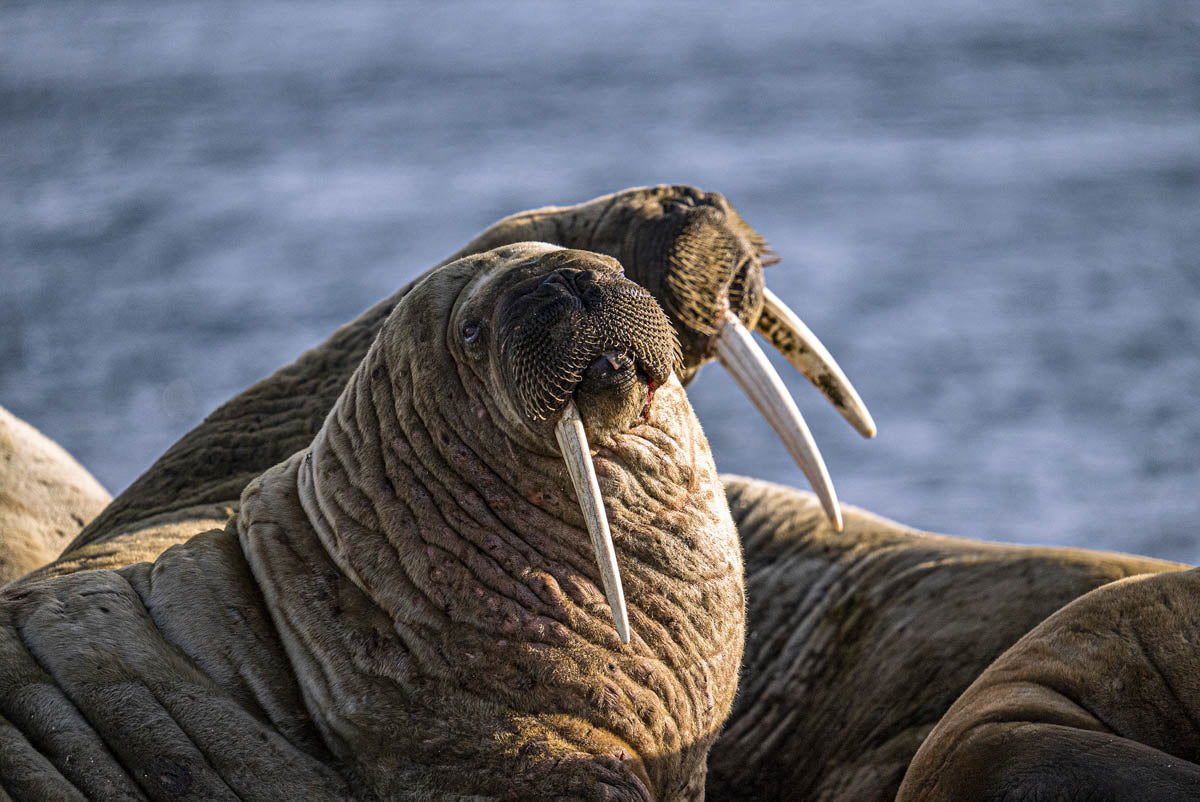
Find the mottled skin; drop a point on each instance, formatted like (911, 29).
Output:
(420, 578)
(45, 497)
(859, 641)
(1101, 701)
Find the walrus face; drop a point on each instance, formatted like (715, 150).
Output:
(583, 326)
(704, 262)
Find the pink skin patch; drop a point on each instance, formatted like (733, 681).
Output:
(650, 386)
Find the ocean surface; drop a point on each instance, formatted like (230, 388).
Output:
(989, 211)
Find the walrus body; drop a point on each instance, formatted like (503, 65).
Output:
(163, 681)
(408, 608)
(1100, 701)
(859, 641)
(46, 497)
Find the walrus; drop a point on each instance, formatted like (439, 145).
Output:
(46, 497)
(1099, 701)
(410, 607)
(858, 642)
(689, 248)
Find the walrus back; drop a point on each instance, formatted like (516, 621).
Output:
(160, 681)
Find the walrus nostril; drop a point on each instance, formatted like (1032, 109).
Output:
(580, 283)
(551, 338)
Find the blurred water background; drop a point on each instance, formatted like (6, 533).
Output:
(989, 211)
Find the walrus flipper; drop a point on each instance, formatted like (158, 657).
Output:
(115, 687)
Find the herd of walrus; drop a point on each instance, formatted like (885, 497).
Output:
(474, 546)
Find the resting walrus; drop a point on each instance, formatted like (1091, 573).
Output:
(45, 497)
(418, 614)
(857, 642)
(1100, 701)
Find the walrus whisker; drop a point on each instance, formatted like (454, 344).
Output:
(748, 365)
(788, 334)
(572, 440)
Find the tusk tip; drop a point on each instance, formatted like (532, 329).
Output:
(835, 517)
(621, 622)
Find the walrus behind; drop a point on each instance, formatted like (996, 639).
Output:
(419, 613)
(1099, 701)
(857, 642)
(46, 497)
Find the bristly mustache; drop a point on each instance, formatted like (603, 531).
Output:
(552, 334)
(699, 281)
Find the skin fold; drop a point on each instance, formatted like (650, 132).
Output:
(410, 594)
(45, 497)
(1100, 701)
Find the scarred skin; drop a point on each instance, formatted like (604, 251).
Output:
(45, 497)
(859, 641)
(436, 606)
(1100, 701)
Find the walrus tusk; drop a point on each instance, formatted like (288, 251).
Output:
(787, 332)
(572, 441)
(748, 365)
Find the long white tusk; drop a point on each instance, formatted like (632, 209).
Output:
(788, 334)
(572, 441)
(748, 365)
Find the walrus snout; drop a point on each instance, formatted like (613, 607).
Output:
(588, 333)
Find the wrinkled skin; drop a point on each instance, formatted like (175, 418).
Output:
(1100, 701)
(45, 497)
(859, 641)
(417, 596)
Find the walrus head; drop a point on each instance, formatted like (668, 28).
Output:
(704, 264)
(436, 571)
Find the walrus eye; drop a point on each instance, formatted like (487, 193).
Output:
(470, 332)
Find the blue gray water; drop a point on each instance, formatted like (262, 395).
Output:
(990, 212)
